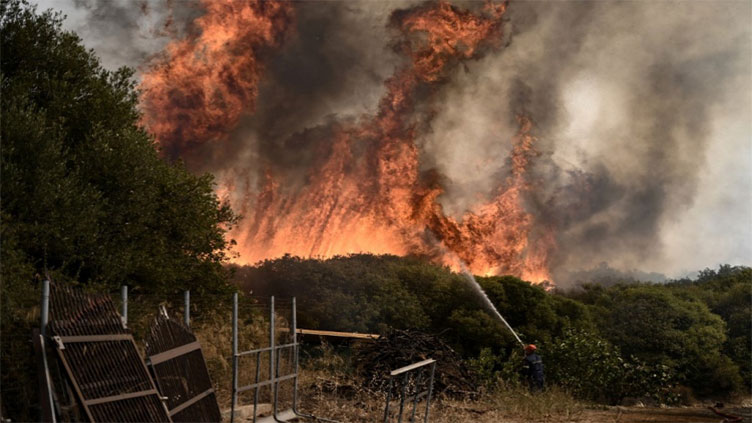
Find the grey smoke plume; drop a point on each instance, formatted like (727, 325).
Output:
(630, 100)
(642, 111)
(125, 32)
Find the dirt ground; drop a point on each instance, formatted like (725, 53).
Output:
(698, 414)
(663, 415)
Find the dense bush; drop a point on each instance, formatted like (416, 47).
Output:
(370, 293)
(592, 368)
(666, 326)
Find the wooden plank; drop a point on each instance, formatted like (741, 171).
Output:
(355, 335)
(411, 367)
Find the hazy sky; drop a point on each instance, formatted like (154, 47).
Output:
(652, 98)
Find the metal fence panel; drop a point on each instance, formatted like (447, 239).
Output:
(100, 359)
(179, 368)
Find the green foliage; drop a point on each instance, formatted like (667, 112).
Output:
(83, 185)
(592, 368)
(85, 193)
(370, 293)
(602, 344)
(728, 293)
(671, 326)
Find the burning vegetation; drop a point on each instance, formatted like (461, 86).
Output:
(364, 189)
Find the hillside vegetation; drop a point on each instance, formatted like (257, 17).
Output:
(666, 341)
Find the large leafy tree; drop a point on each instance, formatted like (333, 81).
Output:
(85, 193)
(667, 327)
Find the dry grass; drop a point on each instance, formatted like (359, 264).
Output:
(328, 388)
(341, 399)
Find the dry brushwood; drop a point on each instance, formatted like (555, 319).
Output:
(398, 348)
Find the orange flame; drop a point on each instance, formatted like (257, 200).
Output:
(365, 191)
(200, 87)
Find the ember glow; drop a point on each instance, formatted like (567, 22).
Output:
(364, 189)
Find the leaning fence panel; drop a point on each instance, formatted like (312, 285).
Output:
(177, 362)
(108, 377)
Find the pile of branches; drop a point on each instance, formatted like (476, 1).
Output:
(398, 348)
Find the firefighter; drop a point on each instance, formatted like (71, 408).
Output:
(533, 368)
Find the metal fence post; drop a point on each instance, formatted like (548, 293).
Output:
(272, 376)
(45, 306)
(234, 356)
(295, 356)
(187, 308)
(124, 298)
(430, 391)
(45, 317)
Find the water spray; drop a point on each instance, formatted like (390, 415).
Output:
(469, 276)
(488, 302)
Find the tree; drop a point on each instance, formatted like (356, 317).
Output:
(659, 327)
(85, 193)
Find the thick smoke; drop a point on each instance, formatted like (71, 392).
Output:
(634, 106)
(332, 67)
(626, 97)
(125, 32)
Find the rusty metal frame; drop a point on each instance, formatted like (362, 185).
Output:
(274, 377)
(60, 341)
(415, 369)
(81, 319)
(174, 353)
(191, 345)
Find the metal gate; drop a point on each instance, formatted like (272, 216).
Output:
(100, 359)
(180, 372)
(274, 377)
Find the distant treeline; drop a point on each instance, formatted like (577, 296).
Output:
(672, 340)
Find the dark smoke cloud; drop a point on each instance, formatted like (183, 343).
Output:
(333, 66)
(330, 72)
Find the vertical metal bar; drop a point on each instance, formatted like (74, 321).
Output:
(402, 397)
(273, 386)
(430, 391)
(234, 356)
(295, 355)
(418, 382)
(276, 373)
(187, 308)
(45, 318)
(256, 394)
(388, 398)
(45, 306)
(124, 298)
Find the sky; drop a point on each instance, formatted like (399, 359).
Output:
(652, 100)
